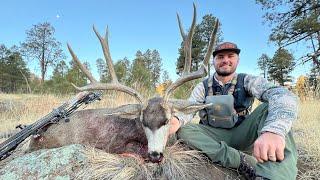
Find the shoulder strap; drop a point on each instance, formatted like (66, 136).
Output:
(233, 84)
(238, 79)
(207, 83)
(241, 77)
(210, 84)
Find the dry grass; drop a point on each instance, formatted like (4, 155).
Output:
(26, 109)
(307, 128)
(307, 133)
(18, 109)
(179, 163)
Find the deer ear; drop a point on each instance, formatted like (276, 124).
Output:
(128, 111)
(185, 106)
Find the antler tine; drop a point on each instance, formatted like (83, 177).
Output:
(211, 43)
(183, 35)
(105, 48)
(187, 76)
(81, 66)
(95, 85)
(187, 41)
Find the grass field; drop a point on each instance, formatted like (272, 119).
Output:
(24, 109)
(307, 132)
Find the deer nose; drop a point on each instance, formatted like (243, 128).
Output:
(155, 157)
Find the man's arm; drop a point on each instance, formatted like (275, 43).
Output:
(179, 118)
(282, 104)
(282, 111)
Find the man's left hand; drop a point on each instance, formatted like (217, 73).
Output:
(269, 146)
(174, 125)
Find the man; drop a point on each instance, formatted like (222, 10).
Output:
(227, 136)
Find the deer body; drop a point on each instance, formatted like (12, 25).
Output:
(97, 128)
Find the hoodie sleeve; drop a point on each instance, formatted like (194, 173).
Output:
(282, 104)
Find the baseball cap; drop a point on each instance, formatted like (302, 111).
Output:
(226, 46)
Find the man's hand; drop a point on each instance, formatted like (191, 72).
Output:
(174, 125)
(269, 146)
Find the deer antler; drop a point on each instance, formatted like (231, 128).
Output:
(94, 84)
(187, 44)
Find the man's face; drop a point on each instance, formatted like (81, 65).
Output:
(226, 63)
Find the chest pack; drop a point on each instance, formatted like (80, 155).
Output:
(231, 103)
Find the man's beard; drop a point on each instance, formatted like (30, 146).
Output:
(224, 74)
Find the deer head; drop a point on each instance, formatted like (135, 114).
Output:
(156, 113)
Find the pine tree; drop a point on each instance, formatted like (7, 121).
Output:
(14, 73)
(295, 21)
(102, 70)
(121, 68)
(263, 64)
(42, 46)
(281, 65)
(75, 75)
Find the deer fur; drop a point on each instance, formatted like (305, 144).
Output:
(128, 128)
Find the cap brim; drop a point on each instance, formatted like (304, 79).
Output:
(223, 50)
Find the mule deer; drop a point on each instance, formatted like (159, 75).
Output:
(142, 128)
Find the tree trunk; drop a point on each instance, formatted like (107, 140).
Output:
(316, 57)
(42, 71)
(42, 60)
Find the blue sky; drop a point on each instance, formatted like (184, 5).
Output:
(139, 25)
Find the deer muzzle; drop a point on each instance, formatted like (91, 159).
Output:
(155, 157)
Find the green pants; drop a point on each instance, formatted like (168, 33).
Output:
(222, 145)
